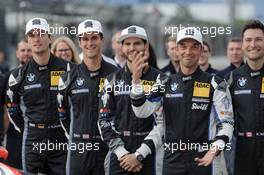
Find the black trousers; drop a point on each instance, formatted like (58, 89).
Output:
(14, 147)
(149, 167)
(182, 163)
(44, 150)
(249, 156)
(88, 158)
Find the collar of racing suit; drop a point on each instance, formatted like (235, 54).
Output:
(186, 78)
(92, 73)
(253, 73)
(232, 66)
(44, 67)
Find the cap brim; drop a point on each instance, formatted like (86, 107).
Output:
(190, 37)
(91, 30)
(36, 28)
(123, 37)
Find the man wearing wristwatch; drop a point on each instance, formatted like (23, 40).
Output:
(130, 139)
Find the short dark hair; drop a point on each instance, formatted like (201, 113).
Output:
(145, 41)
(235, 40)
(207, 44)
(22, 40)
(253, 24)
(100, 34)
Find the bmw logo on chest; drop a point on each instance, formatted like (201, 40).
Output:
(80, 82)
(242, 81)
(174, 86)
(31, 77)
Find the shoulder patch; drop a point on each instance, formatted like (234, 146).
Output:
(12, 81)
(61, 84)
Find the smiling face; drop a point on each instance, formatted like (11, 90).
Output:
(23, 52)
(234, 52)
(131, 45)
(189, 52)
(91, 44)
(64, 51)
(38, 41)
(253, 44)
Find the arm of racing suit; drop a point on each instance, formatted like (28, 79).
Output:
(147, 105)
(63, 101)
(153, 141)
(12, 99)
(106, 123)
(222, 110)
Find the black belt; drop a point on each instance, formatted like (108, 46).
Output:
(86, 136)
(250, 134)
(129, 133)
(42, 125)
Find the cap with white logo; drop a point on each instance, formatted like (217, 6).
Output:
(190, 32)
(133, 31)
(37, 23)
(90, 25)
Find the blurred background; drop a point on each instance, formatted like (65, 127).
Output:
(218, 19)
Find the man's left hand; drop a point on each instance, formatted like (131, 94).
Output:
(129, 162)
(207, 158)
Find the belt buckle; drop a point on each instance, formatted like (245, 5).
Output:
(41, 126)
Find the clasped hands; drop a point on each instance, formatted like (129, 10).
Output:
(130, 163)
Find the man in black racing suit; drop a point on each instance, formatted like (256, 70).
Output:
(31, 93)
(197, 109)
(128, 137)
(247, 90)
(80, 89)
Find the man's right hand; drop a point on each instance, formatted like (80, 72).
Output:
(139, 63)
(130, 163)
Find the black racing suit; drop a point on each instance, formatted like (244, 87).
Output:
(225, 72)
(14, 138)
(2, 100)
(197, 110)
(80, 88)
(211, 70)
(31, 93)
(169, 69)
(122, 131)
(247, 90)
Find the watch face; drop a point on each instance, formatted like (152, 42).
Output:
(140, 158)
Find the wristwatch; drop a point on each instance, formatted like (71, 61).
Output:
(139, 156)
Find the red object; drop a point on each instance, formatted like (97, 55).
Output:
(3, 153)
(8, 170)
